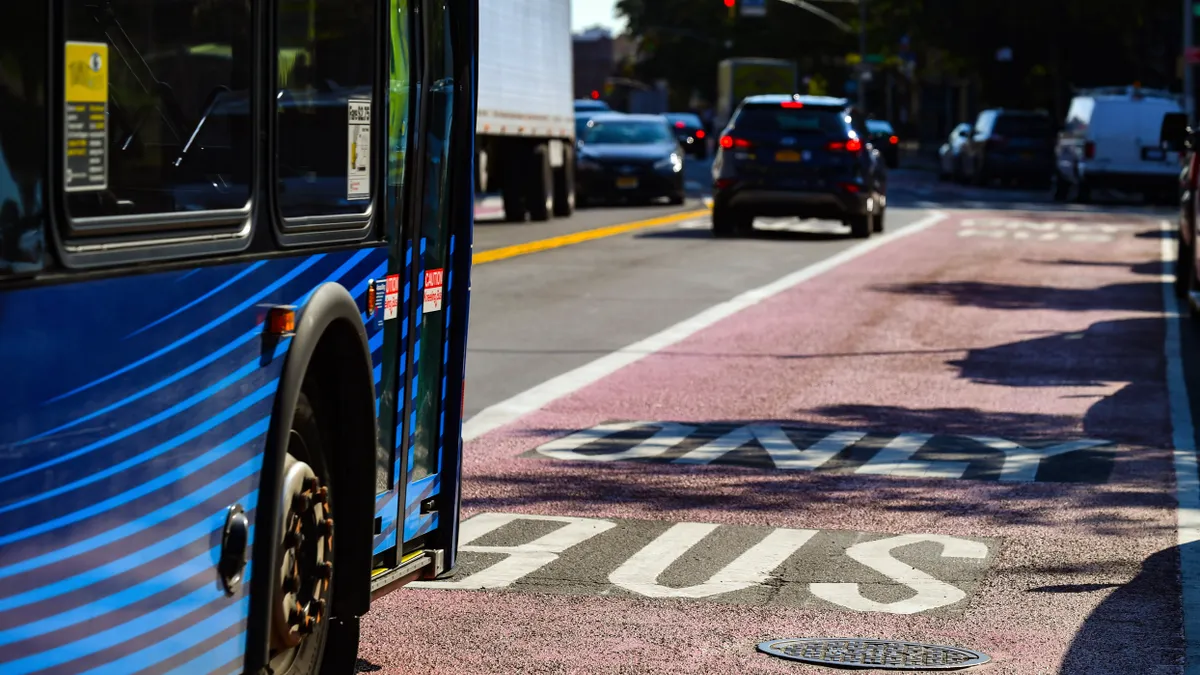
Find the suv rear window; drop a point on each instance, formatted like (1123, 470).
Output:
(1024, 126)
(815, 120)
(690, 120)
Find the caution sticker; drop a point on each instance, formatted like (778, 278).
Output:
(391, 297)
(433, 291)
(358, 173)
(85, 91)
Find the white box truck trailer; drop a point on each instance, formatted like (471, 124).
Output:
(525, 132)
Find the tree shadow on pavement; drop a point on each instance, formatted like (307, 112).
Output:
(1134, 629)
(1148, 267)
(1125, 297)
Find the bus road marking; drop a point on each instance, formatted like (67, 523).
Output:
(778, 566)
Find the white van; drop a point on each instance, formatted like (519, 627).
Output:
(1111, 140)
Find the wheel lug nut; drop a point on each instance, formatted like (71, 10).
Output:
(324, 570)
(321, 495)
(291, 584)
(311, 483)
(293, 539)
(317, 609)
(327, 527)
(301, 503)
(298, 617)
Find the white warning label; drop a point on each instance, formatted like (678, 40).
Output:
(358, 173)
(433, 290)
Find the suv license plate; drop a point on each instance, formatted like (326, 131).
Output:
(787, 156)
(627, 183)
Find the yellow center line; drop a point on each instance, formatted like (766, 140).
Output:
(515, 250)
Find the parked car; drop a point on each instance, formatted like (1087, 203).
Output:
(950, 154)
(1180, 140)
(1010, 145)
(690, 132)
(884, 138)
(591, 105)
(629, 156)
(1111, 140)
(804, 156)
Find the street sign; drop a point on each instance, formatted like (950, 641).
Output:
(754, 7)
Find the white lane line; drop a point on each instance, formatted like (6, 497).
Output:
(495, 416)
(1187, 473)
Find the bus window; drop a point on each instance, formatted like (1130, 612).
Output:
(172, 137)
(326, 73)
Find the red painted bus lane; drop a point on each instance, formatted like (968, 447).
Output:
(952, 438)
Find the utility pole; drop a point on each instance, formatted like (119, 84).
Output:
(862, 52)
(1189, 81)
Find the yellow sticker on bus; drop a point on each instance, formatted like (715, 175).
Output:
(85, 96)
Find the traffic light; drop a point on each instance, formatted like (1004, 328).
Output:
(732, 6)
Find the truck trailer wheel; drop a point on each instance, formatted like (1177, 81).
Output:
(564, 186)
(514, 166)
(540, 185)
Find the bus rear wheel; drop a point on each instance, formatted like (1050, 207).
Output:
(304, 553)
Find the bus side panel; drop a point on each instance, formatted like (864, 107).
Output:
(136, 411)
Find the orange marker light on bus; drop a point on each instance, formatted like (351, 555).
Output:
(281, 320)
(370, 308)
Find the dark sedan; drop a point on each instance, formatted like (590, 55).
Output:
(629, 157)
(884, 139)
(690, 132)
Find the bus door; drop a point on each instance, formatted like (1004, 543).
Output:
(431, 147)
(440, 240)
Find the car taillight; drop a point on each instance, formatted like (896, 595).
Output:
(851, 188)
(722, 183)
(852, 145)
(894, 140)
(1089, 150)
(699, 133)
(791, 104)
(729, 142)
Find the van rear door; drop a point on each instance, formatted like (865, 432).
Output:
(1126, 136)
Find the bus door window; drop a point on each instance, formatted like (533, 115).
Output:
(424, 459)
(173, 135)
(326, 70)
(22, 155)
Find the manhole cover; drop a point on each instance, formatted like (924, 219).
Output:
(880, 654)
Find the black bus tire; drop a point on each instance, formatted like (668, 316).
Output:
(306, 444)
(564, 185)
(539, 188)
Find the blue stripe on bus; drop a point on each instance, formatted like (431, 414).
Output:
(229, 282)
(144, 424)
(175, 576)
(241, 307)
(130, 630)
(134, 526)
(236, 441)
(359, 288)
(223, 653)
(205, 528)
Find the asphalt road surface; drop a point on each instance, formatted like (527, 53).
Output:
(973, 430)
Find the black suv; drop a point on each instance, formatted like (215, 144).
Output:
(804, 156)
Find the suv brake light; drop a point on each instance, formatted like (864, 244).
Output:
(729, 142)
(791, 104)
(1089, 150)
(852, 145)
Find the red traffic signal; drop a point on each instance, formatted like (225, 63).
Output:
(730, 3)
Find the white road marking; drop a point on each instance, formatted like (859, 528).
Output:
(668, 435)
(778, 445)
(895, 459)
(522, 560)
(1021, 463)
(495, 416)
(753, 567)
(1187, 473)
(931, 593)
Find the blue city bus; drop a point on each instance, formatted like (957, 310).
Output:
(235, 247)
